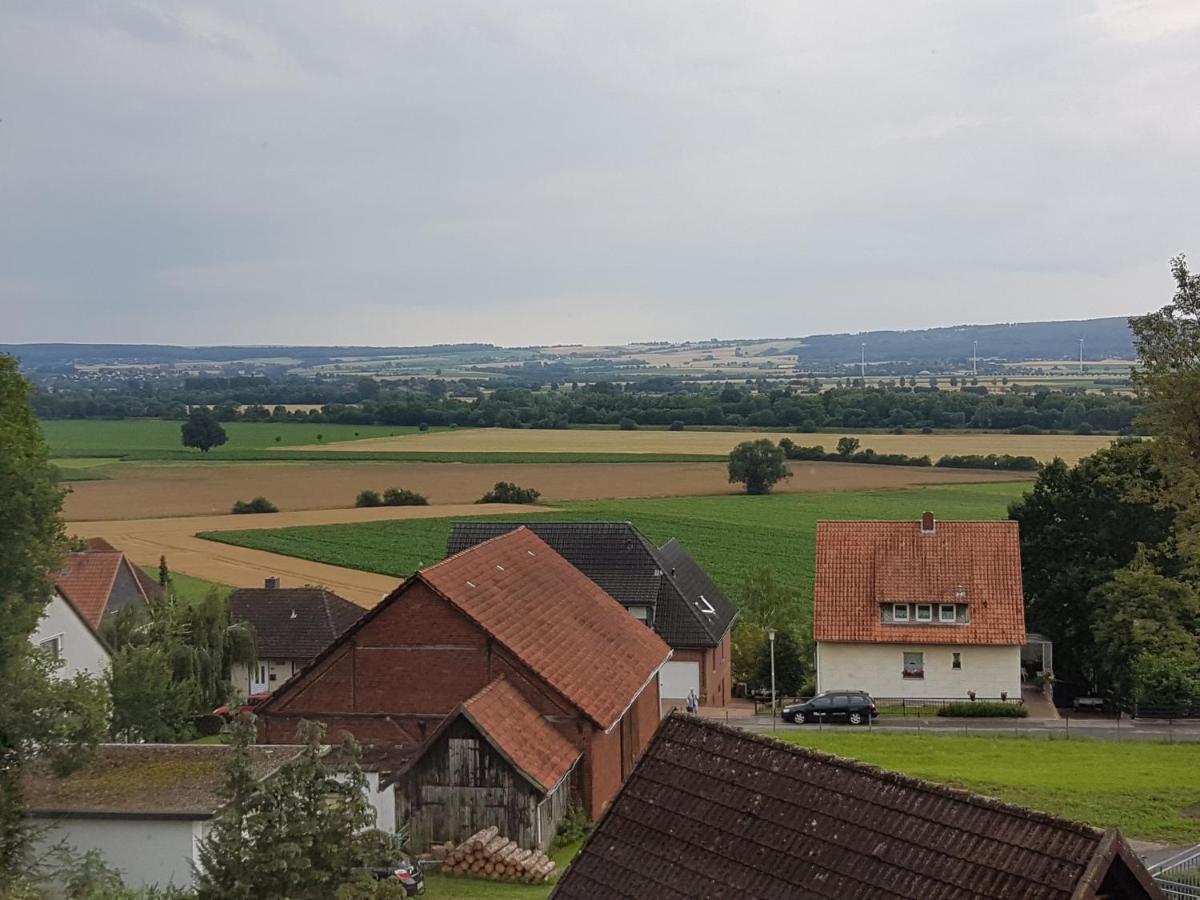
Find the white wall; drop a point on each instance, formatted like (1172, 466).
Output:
(282, 669)
(675, 679)
(81, 649)
(146, 851)
(384, 802)
(875, 668)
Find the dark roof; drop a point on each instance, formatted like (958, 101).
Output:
(144, 780)
(293, 623)
(711, 811)
(627, 565)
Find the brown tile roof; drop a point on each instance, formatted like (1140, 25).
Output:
(555, 619)
(293, 623)
(521, 734)
(86, 579)
(171, 780)
(710, 811)
(862, 565)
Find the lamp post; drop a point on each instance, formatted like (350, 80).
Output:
(771, 638)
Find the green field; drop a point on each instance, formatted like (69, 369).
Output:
(188, 588)
(730, 536)
(1150, 790)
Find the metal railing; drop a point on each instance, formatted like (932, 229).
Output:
(907, 706)
(1179, 876)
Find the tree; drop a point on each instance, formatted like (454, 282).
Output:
(1079, 525)
(764, 603)
(1168, 378)
(61, 719)
(1167, 677)
(164, 573)
(203, 431)
(790, 667)
(847, 446)
(758, 465)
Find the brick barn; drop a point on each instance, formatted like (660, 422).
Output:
(512, 609)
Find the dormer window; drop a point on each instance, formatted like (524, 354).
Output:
(899, 612)
(947, 612)
(924, 612)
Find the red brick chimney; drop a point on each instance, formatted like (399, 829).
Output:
(928, 523)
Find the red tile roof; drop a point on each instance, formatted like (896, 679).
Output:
(521, 734)
(863, 565)
(86, 579)
(555, 619)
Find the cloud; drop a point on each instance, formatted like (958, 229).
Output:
(217, 171)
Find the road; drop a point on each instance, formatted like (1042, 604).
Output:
(1047, 729)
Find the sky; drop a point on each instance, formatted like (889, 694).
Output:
(390, 172)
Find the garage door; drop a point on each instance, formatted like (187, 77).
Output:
(677, 678)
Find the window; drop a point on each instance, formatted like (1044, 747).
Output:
(640, 613)
(956, 660)
(54, 645)
(705, 607)
(947, 612)
(924, 612)
(899, 612)
(914, 665)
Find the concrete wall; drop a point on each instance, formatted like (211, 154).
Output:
(875, 668)
(80, 648)
(146, 851)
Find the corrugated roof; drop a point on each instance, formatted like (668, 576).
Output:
(181, 780)
(863, 565)
(555, 619)
(711, 811)
(521, 734)
(293, 623)
(628, 566)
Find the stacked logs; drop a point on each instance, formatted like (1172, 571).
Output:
(488, 854)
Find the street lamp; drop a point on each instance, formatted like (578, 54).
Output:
(771, 638)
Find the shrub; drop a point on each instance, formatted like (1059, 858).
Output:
(368, 498)
(257, 505)
(574, 827)
(1025, 429)
(990, 461)
(424, 426)
(627, 424)
(926, 430)
(208, 725)
(508, 492)
(971, 709)
(677, 425)
(403, 497)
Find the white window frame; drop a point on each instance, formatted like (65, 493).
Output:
(54, 644)
(928, 617)
(942, 608)
(897, 608)
(706, 607)
(919, 673)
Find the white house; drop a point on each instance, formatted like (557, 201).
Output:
(71, 638)
(919, 609)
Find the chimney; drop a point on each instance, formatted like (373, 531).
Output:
(272, 583)
(928, 523)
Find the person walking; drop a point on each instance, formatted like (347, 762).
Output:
(693, 703)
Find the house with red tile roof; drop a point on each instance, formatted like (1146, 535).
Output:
(100, 580)
(919, 609)
(510, 643)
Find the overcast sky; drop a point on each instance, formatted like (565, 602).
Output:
(395, 173)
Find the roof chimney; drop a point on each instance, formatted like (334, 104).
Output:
(928, 523)
(272, 583)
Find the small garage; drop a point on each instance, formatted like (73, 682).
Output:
(677, 678)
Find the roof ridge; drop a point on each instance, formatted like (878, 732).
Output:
(878, 772)
(521, 526)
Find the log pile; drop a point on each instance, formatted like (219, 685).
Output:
(488, 854)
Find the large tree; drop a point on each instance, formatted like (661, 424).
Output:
(1168, 378)
(758, 465)
(203, 431)
(38, 713)
(1079, 525)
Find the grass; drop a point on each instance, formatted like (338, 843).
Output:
(1150, 790)
(186, 587)
(444, 887)
(730, 536)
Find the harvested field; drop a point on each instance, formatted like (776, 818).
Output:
(142, 491)
(145, 540)
(1044, 447)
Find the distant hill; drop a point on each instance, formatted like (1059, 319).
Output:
(1103, 339)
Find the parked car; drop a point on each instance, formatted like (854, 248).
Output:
(855, 707)
(408, 873)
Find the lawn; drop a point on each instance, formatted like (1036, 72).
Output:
(1150, 790)
(730, 536)
(442, 887)
(186, 587)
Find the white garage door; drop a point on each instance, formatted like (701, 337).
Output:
(677, 678)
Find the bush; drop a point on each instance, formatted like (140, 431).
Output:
(368, 498)
(424, 426)
(970, 709)
(1025, 429)
(507, 492)
(677, 425)
(257, 505)
(990, 461)
(627, 424)
(403, 497)
(208, 725)
(574, 827)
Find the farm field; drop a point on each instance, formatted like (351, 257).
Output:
(1149, 790)
(143, 490)
(1044, 447)
(731, 537)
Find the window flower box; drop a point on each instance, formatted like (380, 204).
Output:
(919, 673)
